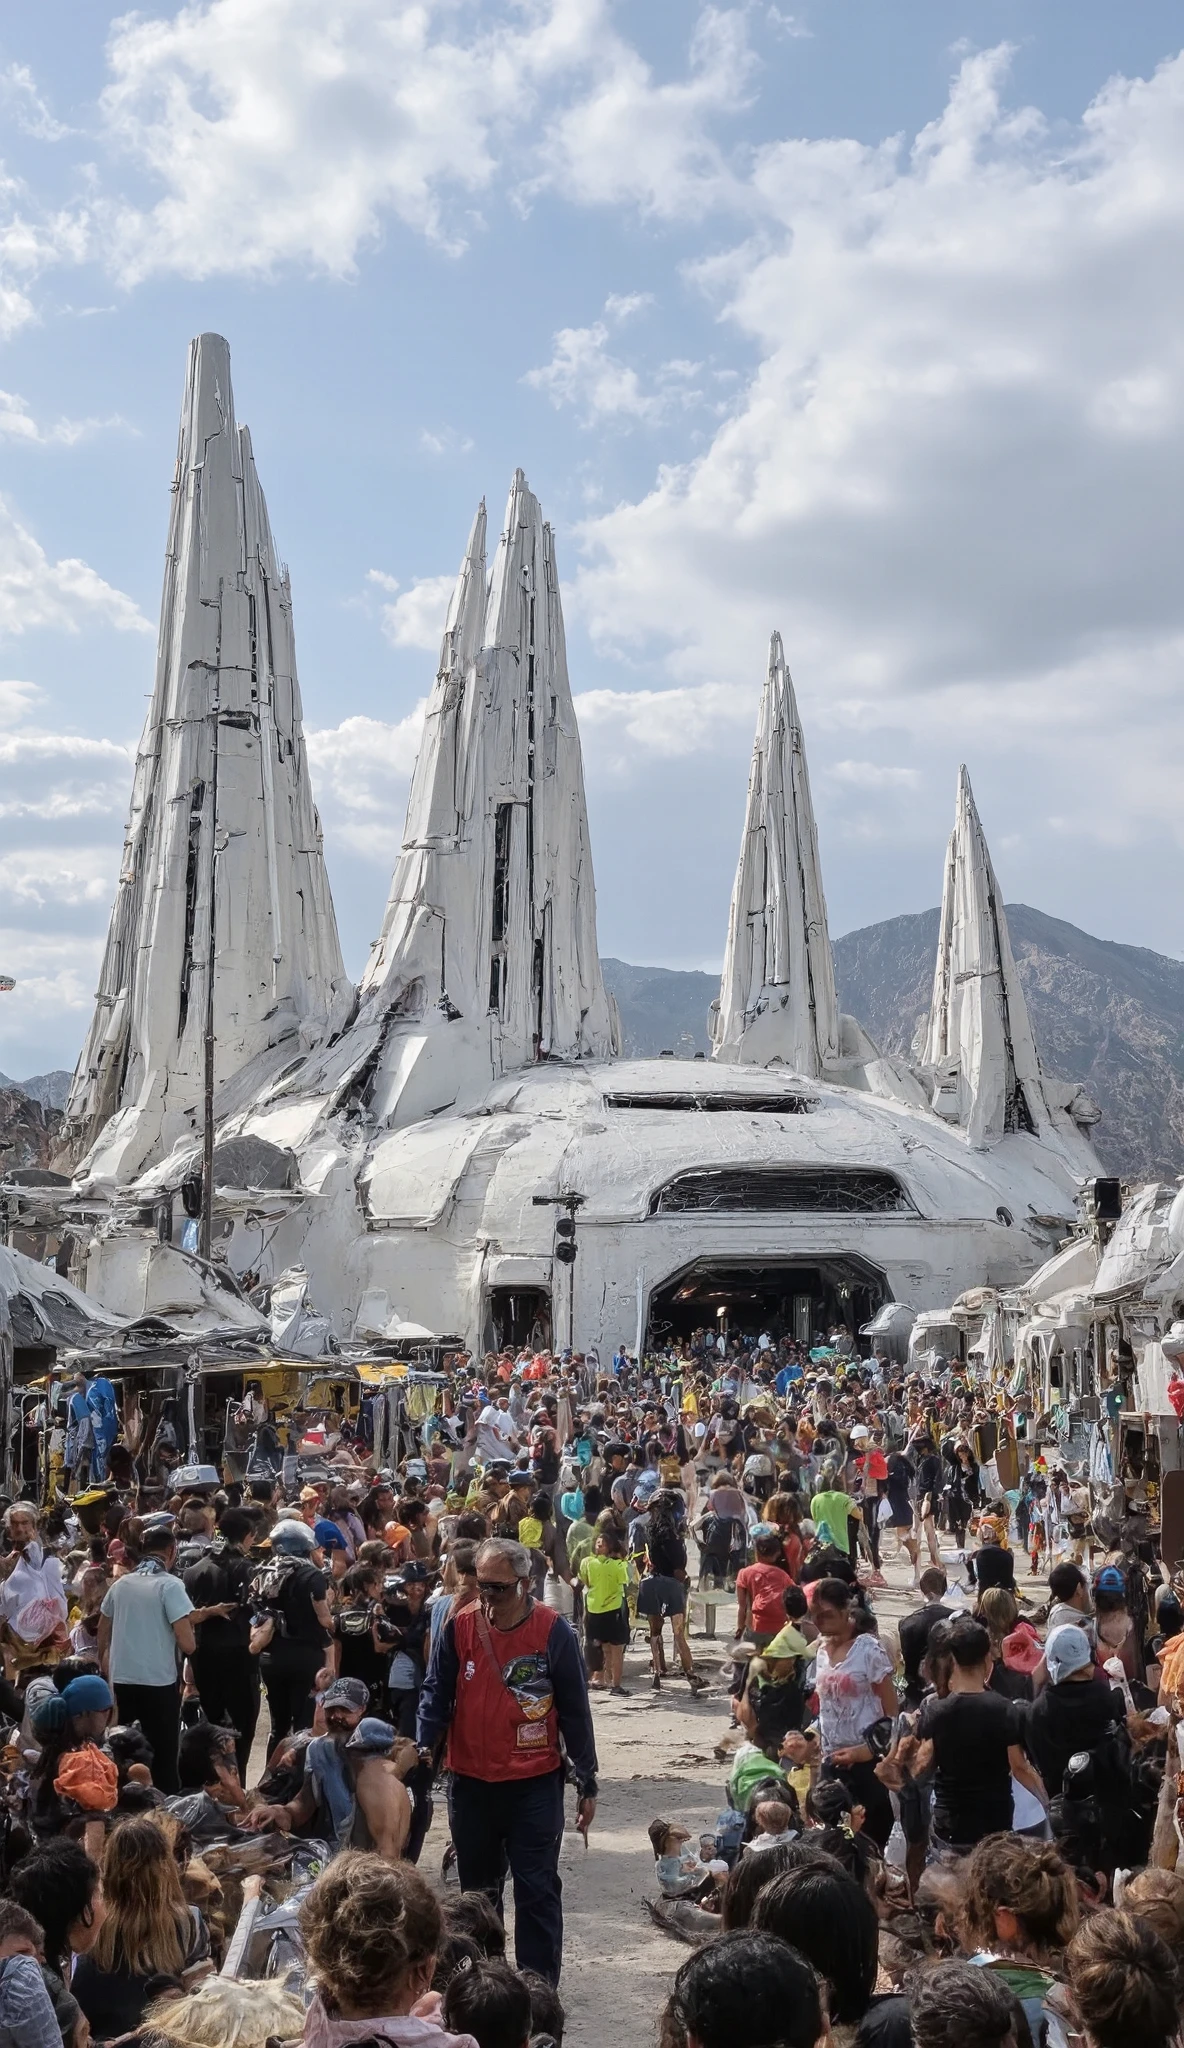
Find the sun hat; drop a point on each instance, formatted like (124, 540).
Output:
(1066, 1651)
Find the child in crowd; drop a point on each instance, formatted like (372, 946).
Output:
(680, 1870)
(773, 1825)
(760, 1593)
(605, 1577)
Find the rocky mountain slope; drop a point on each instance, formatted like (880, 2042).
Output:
(1109, 1015)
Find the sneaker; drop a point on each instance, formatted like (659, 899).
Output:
(619, 1692)
(656, 1682)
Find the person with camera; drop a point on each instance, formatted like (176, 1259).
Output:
(224, 1671)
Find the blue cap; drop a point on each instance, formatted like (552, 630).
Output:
(89, 1694)
(1110, 1580)
(329, 1536)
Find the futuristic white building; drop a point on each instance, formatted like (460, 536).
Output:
(412, 1150)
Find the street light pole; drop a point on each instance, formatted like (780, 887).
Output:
(206, 1226)
(565, 1249)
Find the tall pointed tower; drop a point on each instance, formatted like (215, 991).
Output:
(978, 1042)
(777, 995)
(487, 958)
(222, 814)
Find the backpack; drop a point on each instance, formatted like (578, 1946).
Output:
(269, 1585)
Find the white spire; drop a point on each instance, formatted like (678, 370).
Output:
(221, 765)
(777, 994)
(978, 1042)
(487, 959)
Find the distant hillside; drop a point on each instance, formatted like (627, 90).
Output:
(28, 1131)
(50, 1090)
(662, 1010)
(1111, 1016)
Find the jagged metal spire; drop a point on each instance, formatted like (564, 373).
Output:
(777, 997)
(223, 729)
(978, 1043)
(487, 958)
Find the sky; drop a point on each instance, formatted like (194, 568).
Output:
(860, 322)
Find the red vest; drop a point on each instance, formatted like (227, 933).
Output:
(504, 1724)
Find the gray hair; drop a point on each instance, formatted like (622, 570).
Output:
(20, 1507)
(516, 1555)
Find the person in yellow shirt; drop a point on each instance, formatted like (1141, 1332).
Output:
(604, 1574)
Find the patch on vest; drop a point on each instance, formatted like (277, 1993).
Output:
(529, 1681)
(532, 1735)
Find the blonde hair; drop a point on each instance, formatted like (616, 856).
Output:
(148, 1924)
(223, 2013)
(998, 1610)
(366, 1923)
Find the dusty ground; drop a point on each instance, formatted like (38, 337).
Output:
(656, 1758)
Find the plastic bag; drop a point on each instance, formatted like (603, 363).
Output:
(558, 1595)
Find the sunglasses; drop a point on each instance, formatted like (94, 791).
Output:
(497, 1589)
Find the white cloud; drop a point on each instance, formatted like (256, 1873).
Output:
(416, 619)
(585, 374)
(624, 731)
(40, 879)
(954, 479)
(18, 92)
(54, 777)
(290, 132)
(17, 424)
(361, 771)
(67, 594)
(872, 775)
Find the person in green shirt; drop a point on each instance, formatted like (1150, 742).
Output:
(581, 1533)
(604, 1574)
(831, 1506)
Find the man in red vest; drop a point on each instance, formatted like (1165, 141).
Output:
(506, 1685)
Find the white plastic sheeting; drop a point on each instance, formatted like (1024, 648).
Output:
(225, 679)
(777, 994)
(979, 1042)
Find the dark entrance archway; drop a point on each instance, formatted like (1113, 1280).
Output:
(787, 1297)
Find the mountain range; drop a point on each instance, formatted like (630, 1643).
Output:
(1109, 1015)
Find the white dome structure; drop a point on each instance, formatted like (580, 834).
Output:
(413, 1157)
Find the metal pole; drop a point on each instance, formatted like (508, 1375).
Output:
(206, 1227)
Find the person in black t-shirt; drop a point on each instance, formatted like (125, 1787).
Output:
(360, 1650)
(297, 1625)
(1076, 1707)
(224, 1671)
(916, 1629)
(974, 1740)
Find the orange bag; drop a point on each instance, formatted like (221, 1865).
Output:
(89, 1778)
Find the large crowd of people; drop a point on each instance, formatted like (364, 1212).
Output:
(371, 1691)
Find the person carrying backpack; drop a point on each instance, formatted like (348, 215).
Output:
(293, 1626)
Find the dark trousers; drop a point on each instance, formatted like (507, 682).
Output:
(289, 1671)
(157, 1708)
(227, 1684)
(517, 1821)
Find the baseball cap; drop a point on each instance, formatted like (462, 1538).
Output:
(1066, 1651)
(521, 1478)
(372, 1736)
(1110, 1580)
(345, 1692)
(414, 1572)
(329, 1536)
(860, 1433)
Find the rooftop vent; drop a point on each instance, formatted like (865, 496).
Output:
(756, 1105)
(828, 1190)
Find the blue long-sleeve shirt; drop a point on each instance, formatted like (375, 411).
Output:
(569, 1685)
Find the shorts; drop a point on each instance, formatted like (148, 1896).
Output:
(608, 1628)
(657, 1596)
(900, 1518)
